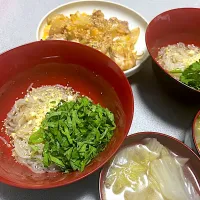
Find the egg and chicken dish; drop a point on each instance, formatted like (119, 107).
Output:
(110, 36)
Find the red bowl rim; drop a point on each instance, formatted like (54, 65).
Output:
(5, 181)
(148, 48)
(193, 132)
(133, 135)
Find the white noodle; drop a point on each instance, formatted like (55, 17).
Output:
(25, 118)
(5, 141)
(178, 56)
(30, 87)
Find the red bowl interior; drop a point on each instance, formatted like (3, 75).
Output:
(171, 27)
(193, 132)
(171, 143)
(60, 62)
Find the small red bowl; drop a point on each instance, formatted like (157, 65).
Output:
(60, 62)
(193, 132)
(171, 27)
(171, 143)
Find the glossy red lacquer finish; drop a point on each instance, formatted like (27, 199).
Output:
(193, 132)
(171, 143)
(60, 62)
(171, 27)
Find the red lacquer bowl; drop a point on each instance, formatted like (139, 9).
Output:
(60, 62)
(171, 143)
(171, 27)
(193, 132)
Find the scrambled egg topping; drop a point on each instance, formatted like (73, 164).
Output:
(112, 37)
(37, 103)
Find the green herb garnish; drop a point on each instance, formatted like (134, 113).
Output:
(176, 71)
(34, 149)
(191, 76)
(73, 133)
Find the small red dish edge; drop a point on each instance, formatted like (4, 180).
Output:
(193, 132)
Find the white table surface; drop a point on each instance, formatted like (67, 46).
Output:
(154, 109)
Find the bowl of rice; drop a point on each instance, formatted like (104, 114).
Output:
(172, 39)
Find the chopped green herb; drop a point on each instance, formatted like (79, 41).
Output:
(34, 148)
(57, 161)
(36, 138)
(191, 76)
(174, 71)
(74, 133)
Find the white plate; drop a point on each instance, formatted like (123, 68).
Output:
(109, 9)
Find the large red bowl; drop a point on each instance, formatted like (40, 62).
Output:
(171, 27)
(60, 62)
(193, 132)
(171, 143)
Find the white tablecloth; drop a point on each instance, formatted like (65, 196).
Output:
(154, 109)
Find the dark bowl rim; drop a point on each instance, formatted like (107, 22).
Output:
(148, 48)
(133, 135)
(193, 132)
(5, 181)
